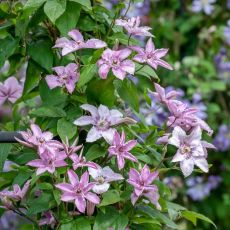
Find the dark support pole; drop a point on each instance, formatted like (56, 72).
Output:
(9, 137)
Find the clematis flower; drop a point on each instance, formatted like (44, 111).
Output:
(103, 177)
(142, 183)
(71, 149)
(77, 42)
(40, 140)
(78, 191)
(191, 150)
(67, 76)
(80, 161)
(151, 56)
(48, 162)
(10, 90)
(120, 149)
(203, 5)
(116, 60)
(133, 27)
(102, 120)
(47, 219)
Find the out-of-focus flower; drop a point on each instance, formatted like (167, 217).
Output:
(142, 183)
(222, 139)
(10, 90)
(47, 219)
(48, 162)
(227, 32)
(103, 177)
(78, 191)
(116, 60)
(67, 76)
(102, 120)
(133, 27)
(120, 149)
(228, 4)
(151, 56)
(203, 5)
(5, 68)
(191, 150)
(77, 42)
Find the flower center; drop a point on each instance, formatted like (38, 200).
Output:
(103, 124)
(101, 179)
(41, 140)
(185, 150)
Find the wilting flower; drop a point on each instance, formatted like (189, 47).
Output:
(10, 90)
(47, 219)
(67, 76)
(151, 56)
(41, 140)
(191, 150)
(78, 191)
(120, 149)
(48, 162)
(116, 60)
(203, 5)
(142, 183)
(133, 27)
(103, 177)
(77, 42)
(80, 161)
(227, 32)
(102, 120)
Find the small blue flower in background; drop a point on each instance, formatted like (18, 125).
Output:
(203, 5)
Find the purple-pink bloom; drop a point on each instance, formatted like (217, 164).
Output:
(47, 219)
(78, 191)
(151, 56)
(120, 149)
(70, 149)
(48, 162)
(77, 42)
(102, 120)
(67, 76)
(10, 90)
(116, 60)
(133, 27)
(203, 5)
(142, 183)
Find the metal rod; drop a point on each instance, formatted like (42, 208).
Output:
(9, 137)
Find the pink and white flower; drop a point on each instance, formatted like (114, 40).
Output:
(47, 219)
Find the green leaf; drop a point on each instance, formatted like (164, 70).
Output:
(33, 4)
(87, 74)
(110, 197)
(48, 112)
(111, 218)
(66, 129)
(4, 152)
(54, 9)
(145, 71)
(81, 223)
(6, 178)
(32, 77)
(94, 152)
(128, 92)
(85, 3)
(24, 157)
(22, 177)
(41, 52)
(193, 216)
(69, 19)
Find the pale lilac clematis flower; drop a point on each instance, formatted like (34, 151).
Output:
(120, 149)
(10, 90)
(77, 42)
(102, 120)
(67, 76)
(78, 191)
(151, 56)
(133, 27)
(48, 162)
(191, 150)
(47, 219)
(203, 5)
(103, 177)
(40, 140)
(142, 183)
(116, 60)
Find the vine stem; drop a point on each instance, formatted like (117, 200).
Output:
(129, 4)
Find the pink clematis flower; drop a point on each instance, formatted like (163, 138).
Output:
(133, 27)
(120, 149)
(48, 162)
(142, 183)
(70, 149)
(102, 120)
(103, 177)
(80, 161)
(116, 60)
(40, 140)
(78, 191)
(10, 90)
(67, 76)
(47, 219)
(191, 150)
(151, 56)
(77, 42)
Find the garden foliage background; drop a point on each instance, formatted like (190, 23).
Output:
(198, 39)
